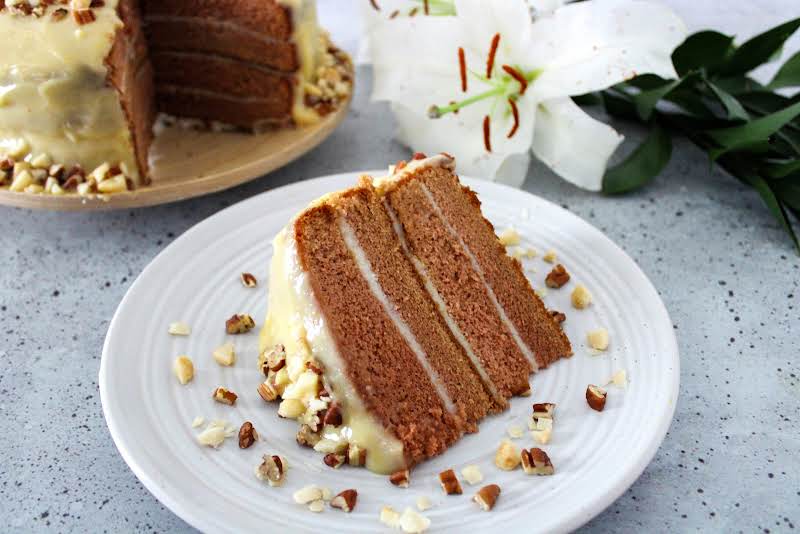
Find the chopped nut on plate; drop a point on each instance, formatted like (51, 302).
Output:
(390, 517)
(334, 460)
(558, 316)
(224, 396)
(316, 506)
(423, 503)
(509, 237)
(507, 456)
(225, 355)
(550, 256)
(267, 391)
(356, 456)
(449, 482)
(544, 410)
(536, 462)
(515, 431)
(542, 436)
(183, 369)
(487, 496)
(247, 435)
(596, 397)
(346, 500)
(307, 494)
(472, 474)
(412, 522)
(620, 378)
(179, 328)
(291, 408)
(400, 478)
(198, 421)
(272, 470)
(557, 277)
(598, 339)
(214, 434)
(581, 298)
(239, 324)
(248, 280)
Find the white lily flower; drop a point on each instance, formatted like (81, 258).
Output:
(495, 103)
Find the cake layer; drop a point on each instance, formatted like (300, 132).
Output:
(131, 74)
(266, 17)
(221, 38)
(244, 112)
(450, 268)
(459, 208)
(382, 366)
(373, 230)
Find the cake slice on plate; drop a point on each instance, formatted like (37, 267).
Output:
(396, 320)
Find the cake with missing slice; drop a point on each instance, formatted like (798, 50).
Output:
(397, 321)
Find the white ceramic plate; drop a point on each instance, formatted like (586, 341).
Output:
(597, 456)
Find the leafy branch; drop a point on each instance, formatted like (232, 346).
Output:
(748, 129)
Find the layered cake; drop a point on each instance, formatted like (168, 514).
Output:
(396, 321)
(81, 81)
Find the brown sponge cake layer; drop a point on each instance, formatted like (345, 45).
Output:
(220, 37)
(365, 213)
(231, 77)
(523, 307)
(131, 74)
(245, 113)
(383, 369)
(464, 293)
(263, 16)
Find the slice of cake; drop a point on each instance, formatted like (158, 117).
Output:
(81, 81)
(396, 320)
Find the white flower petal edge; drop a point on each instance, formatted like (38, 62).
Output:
(590, 46)
(572, 143)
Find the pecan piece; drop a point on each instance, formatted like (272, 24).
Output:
(400, 478)
(487, 496)
(224, 396)
(596, 397)
(239, 324)
(536, 462)
(557, 277)
(247, 435)
(346, 500)
(449, 482)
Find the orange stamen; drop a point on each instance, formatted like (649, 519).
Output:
(462, 68)
(517, 75)
(487, 142)
(515, 113)
(492, 53)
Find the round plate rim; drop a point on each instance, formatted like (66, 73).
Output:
(570, 522)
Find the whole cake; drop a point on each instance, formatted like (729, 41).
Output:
(396, 320)
(81, 81)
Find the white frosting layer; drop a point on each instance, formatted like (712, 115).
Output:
(53, 92)
(295, 320)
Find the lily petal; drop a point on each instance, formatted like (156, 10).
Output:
(589, 46)
(572, 143)
(461, 135)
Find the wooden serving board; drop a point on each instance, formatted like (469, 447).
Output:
(187, 163)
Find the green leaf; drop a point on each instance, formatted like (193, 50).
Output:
(642, 165)
(706, 49)
(619, 105)
(768, 196)
(760, 49)
(588, 99)
(788, 75)
(732, 106)
(751, 132)
(781, 169)
(646, 101)
(737, 85)
(788, 193)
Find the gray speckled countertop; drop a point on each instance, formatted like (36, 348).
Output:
(727, 273)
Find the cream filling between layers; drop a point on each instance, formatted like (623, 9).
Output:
(53, 94)
(295, 320)
(309, 44)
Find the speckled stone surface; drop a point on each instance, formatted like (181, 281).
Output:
(727, 273)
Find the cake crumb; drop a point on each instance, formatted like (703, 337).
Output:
(517, 253)
(413, 522)
(198, 421)
(509, 237)
(390, 517)
(581, 298)
(316, 506)
(472, 474)
(424, 503)
(550, 256)
(620, 378)
(183, 369)
(598, 339)
(507, 456)
(225, 355)
(515, 431)
(542, 436)
(179, 328)
(529, 253)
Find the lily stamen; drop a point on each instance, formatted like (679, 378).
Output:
(375, 5)
(515, 114)
(462, 67)
(492, 54)
(487, 142)
(427, 7)
(517, 75)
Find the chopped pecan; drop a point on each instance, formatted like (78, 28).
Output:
(557, 277)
